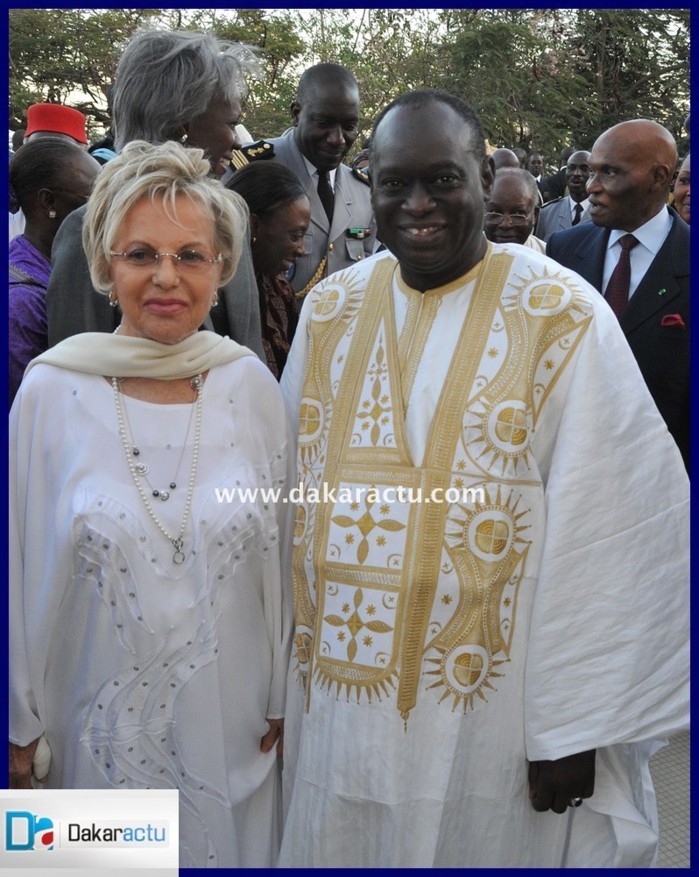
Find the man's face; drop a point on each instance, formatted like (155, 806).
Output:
(510, 211)
(622, 188)
(536, 164)
(327, 124)
(427, 190)
(577, 174)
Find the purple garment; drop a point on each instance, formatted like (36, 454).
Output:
(28, 327)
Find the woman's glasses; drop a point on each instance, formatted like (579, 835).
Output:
(190, 261)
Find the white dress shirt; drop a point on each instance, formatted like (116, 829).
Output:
(650, 236)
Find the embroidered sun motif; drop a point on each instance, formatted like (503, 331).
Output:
(487, 545)
(490, 530)
(335, 298)
(313, 427)
(543, 295)
(499, 435)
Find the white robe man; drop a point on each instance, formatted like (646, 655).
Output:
(492, 614)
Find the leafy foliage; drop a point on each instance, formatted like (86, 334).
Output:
(540, 79)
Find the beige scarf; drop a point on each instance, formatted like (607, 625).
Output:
(98, 353)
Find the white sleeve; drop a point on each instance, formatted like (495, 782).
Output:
(608, 659)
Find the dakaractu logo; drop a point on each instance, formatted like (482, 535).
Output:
(25, 831)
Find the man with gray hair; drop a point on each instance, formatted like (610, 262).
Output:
(511, 209)
(503, 157)
(170, 85)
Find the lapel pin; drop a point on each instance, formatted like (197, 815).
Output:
(662, 291)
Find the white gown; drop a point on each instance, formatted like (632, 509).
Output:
(587, 637)
(144, 673)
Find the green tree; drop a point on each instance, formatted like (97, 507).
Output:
(55, 53)
(540, 79)
(636, 65)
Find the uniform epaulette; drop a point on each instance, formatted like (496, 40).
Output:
(260, 149)
(361, 174)
(553, 201)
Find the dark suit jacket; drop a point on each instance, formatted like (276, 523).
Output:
(553, 186)
(662, 351)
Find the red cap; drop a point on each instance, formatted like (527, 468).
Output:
(58, 119)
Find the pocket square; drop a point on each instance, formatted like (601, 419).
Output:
(673, 321)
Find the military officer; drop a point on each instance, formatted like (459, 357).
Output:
(325, 124)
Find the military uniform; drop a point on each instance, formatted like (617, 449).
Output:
(329, 247)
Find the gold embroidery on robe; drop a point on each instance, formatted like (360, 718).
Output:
(394, 598)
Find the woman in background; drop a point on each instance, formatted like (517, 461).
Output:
(186, 87)
(680, 193)
(280, 214)
(49, 178)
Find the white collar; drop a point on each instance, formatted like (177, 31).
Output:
(313, 172)
(651, 234)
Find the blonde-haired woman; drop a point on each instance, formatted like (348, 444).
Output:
(150, 613)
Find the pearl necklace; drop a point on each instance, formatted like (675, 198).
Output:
(177, 541)
(142, 468)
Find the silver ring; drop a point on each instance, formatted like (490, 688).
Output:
(575, 802)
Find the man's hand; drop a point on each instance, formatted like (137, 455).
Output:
(554, 784)
(275, 734)
(21, 757)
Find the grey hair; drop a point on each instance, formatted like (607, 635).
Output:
(525, 177)
(165, 79)
(161, 173)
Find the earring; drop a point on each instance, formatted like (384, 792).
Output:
(214, 300)
(254, 239)
(52, 214)
(113, 300)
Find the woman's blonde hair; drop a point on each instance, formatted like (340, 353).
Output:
(161, 173)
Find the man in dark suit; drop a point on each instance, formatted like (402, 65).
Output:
(631, 167)
(554, 185)
(325, 119)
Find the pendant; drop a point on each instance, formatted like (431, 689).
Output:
(141, 469)
(178, 556)
(164, 495)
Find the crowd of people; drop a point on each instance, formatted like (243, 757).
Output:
(468, 652)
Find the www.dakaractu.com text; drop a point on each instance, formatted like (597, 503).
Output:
(350, 495)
